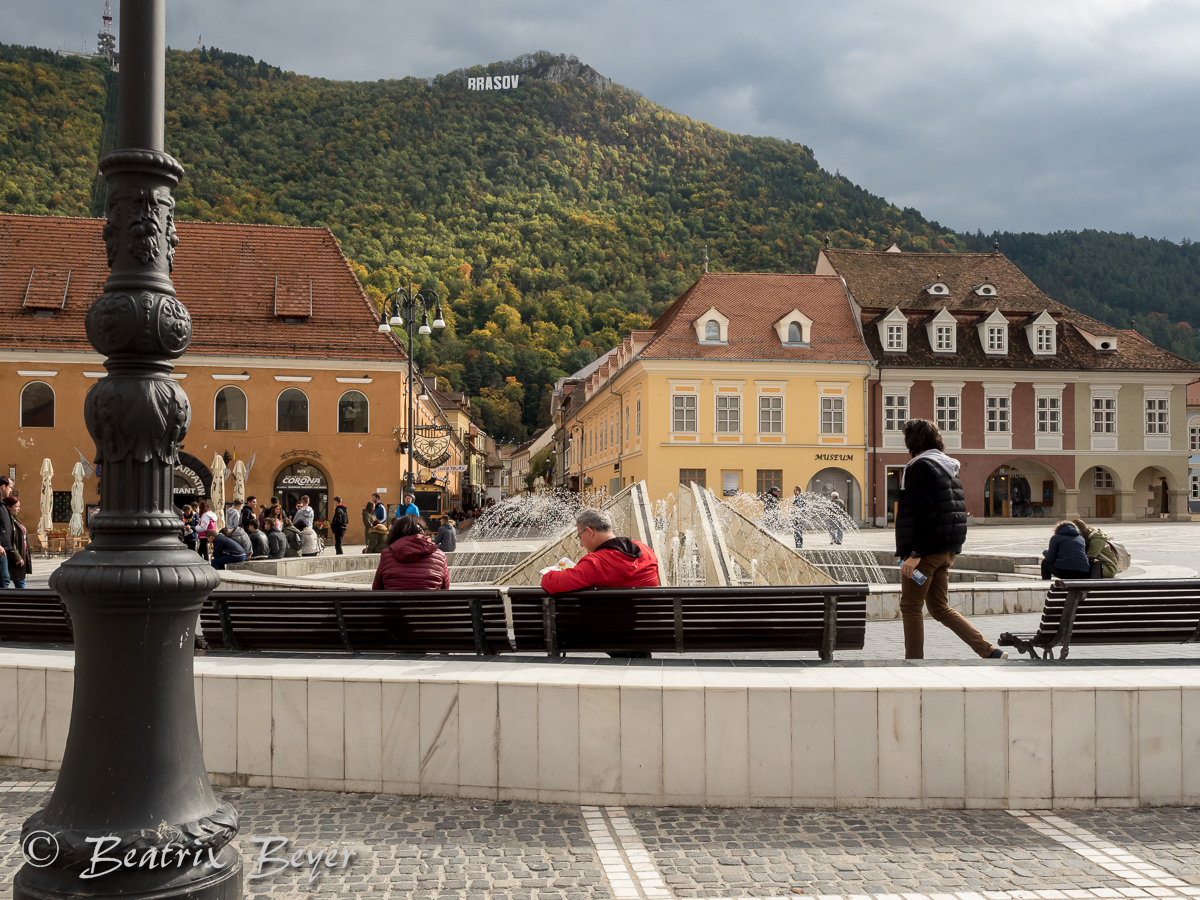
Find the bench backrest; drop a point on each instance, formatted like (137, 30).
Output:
(817, 617)
(1128, 611)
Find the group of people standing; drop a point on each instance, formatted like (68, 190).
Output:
(15, 562)
(254, 532)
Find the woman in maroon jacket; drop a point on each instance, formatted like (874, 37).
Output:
(411, 562)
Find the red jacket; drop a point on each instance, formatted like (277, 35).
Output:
(413, 563)
(619, 563)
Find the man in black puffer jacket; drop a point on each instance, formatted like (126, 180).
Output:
(931, 526)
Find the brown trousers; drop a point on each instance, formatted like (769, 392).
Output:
(935, 594)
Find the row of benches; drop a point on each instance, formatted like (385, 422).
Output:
(487, 621)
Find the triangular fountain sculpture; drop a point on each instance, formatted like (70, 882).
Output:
(631, 517)
(737, 549)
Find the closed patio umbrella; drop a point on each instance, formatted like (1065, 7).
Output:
(217, 492)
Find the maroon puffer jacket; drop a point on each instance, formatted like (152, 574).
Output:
(413, 563)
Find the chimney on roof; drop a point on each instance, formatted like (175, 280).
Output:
(827, 242)
(995, 246)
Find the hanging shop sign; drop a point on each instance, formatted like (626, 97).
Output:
(493, 83)
(431, 445)
(450, 469)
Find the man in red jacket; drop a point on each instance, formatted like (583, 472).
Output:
(613, 562)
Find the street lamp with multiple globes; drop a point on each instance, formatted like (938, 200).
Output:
(132, 785)
(409, 302)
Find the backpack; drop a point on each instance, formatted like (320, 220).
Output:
(1122, 555)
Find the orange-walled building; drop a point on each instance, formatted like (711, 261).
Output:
(286, 369)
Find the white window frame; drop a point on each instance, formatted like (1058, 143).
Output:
(637, 418)
(997, 438)
(833, 415)
(1156, 414)
(943, 325)
(732, 410)
(771, 413)
(894, 324)
(1048, 399)
(677, 407)
(943, 338)
(1045, 339)
(1105, 401)
(1194, 479)
(1194, 434)
(899, 393)
(1042, 335)
(995, 325)
(1102, 480)
(943, 412)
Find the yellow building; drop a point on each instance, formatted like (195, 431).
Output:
(746, 382)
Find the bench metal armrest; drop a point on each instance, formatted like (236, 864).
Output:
(829, 633)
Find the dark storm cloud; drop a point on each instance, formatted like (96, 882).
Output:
(1021, 115)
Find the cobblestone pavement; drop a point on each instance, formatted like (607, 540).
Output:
(438, 849)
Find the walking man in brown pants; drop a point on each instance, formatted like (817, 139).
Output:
(931, 526)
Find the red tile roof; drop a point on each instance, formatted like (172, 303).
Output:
(224, 273)
(1193, 394)
(753, 303)
(881, 281)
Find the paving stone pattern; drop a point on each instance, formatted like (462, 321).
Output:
(476, 850)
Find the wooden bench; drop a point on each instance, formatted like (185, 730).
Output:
(823, 618)
(356, 621)
(487, 621)
(1108, 611)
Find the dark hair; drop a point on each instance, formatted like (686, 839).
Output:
(304, 498)
(4, 480)
(11, 500)
(252, 525)
(405, 526)
(921, 435)
(203, 507)
(337, 499)
(269, 523)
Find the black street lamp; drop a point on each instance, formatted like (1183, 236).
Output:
(132, 787)
(409, 302)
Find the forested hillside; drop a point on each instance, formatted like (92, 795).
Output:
(554, 217)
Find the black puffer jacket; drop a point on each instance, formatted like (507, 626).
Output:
(932, 517)
(1067, 551)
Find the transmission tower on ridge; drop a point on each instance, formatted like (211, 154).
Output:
(106, 41)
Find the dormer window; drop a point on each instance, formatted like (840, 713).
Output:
(893, 332)
(943, 332)
(794, 329)
(993, 334)
(1042, 335)
(1106, 343)
(987, 289)
(711, 327)
(939, 288)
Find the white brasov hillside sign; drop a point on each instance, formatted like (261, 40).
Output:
(493, 83)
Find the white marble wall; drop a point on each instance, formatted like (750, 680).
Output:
(1019, 736)
(980, 599)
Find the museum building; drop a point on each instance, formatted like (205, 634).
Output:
(287, 370)
(746, 382)
(1052, 413)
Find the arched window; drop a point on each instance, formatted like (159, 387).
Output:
(230, 409)
(712, 330)
(353, 413)
(37, 405)
(292, 411)
(795, 333)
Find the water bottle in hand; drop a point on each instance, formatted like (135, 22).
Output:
(917, 576)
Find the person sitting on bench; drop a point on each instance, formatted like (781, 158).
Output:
(611, 562)
(1066, 557)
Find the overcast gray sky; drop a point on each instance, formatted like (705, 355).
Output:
(1021, 115)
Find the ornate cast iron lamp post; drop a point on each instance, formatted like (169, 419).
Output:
(133, 778)
(410, 302)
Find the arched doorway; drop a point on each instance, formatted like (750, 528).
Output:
(1152, 493)
(1020, 489)
(1098, 488)
(192, 481)
(298, 479)
(827, 481)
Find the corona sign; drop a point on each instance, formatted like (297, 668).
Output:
(493, 83)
